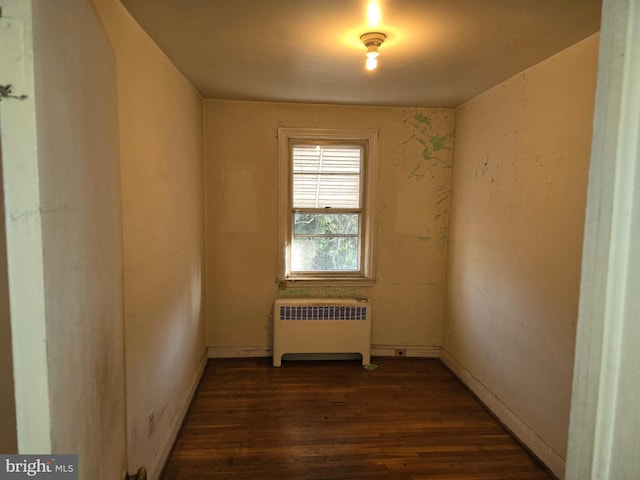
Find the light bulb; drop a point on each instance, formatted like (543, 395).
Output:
(372, 40)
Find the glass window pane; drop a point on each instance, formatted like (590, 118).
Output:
(323, 223)
(324, 254)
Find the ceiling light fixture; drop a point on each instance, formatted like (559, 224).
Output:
(372, 40)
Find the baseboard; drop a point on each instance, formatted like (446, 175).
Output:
(166, 444)
(508, 417)
(241, 351)
(422, 351)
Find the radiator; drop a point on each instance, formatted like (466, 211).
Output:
(317, 325)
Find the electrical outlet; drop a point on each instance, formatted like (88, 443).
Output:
(400, 353)
(152, 422)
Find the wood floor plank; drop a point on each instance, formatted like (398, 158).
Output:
(409, 419)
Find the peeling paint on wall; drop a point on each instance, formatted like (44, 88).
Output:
(426, 154)
(442, 201)
(429, 144)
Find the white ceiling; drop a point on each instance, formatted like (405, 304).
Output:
(438, 53)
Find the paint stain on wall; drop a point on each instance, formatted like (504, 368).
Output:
(523, 97)
(483, 168)
(426, 237)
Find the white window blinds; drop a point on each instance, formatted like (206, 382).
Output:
(326, 176)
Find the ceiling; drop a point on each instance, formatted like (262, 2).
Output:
(438, 53)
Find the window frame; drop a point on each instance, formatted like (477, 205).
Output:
(287, 137)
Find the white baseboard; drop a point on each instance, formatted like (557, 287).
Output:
(169, 438)
(242, 351)
(508, 417)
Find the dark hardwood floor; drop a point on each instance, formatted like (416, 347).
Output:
(408, 419)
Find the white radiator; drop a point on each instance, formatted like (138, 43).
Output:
(321, 325)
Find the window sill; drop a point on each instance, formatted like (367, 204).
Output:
(283, 284)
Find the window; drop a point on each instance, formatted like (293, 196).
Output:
(326, 204)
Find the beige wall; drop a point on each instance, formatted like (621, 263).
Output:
(518, 201)
(161, 152)
(8, 433)
(411, 197)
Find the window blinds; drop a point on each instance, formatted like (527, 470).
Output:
(326, 176)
